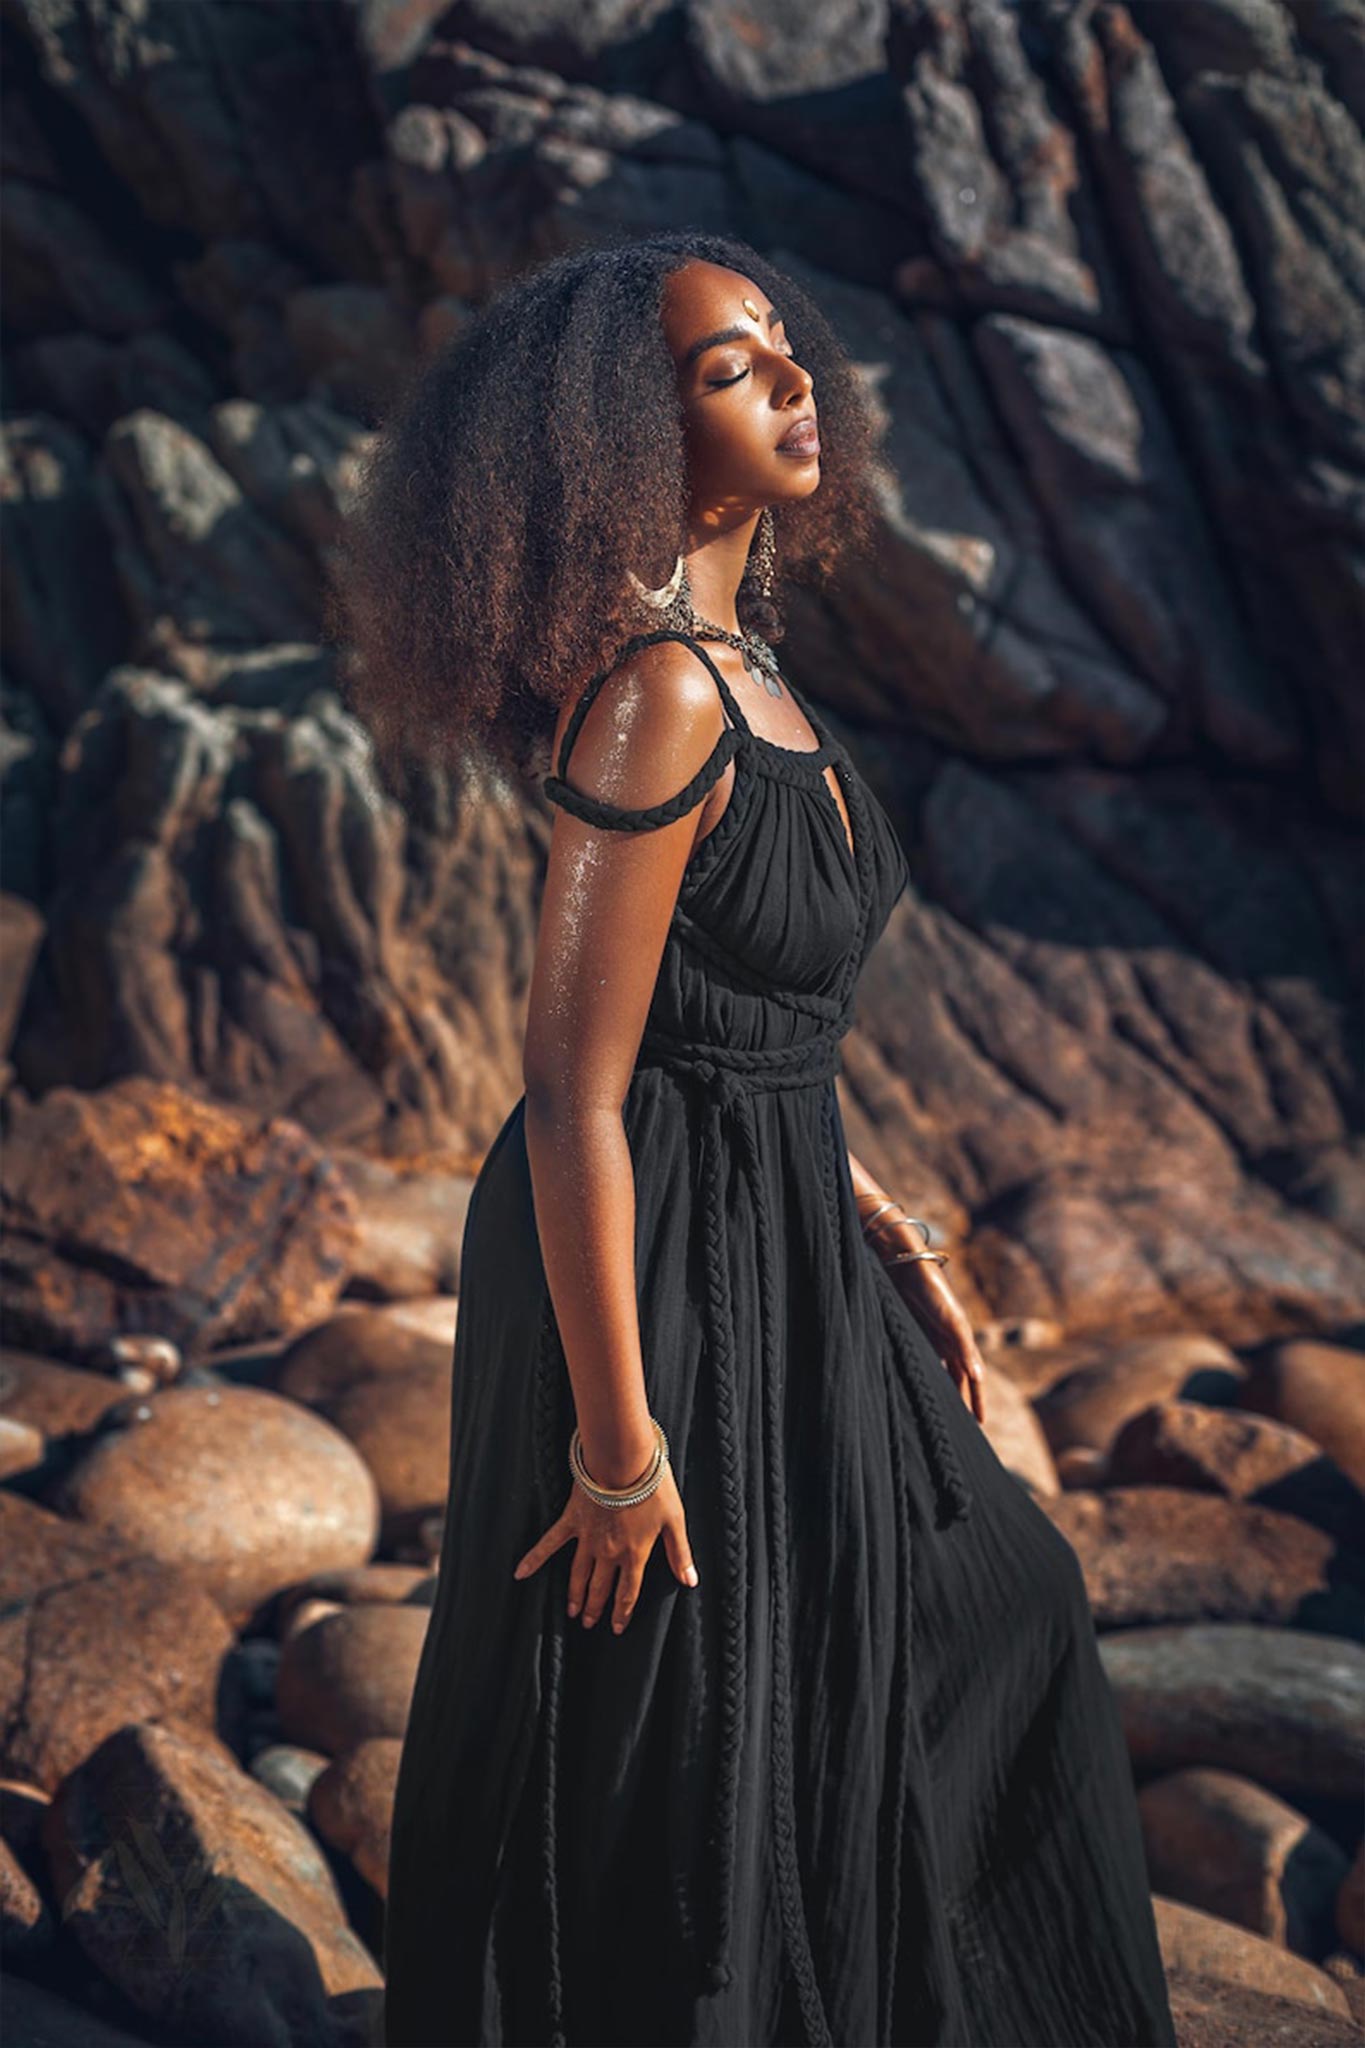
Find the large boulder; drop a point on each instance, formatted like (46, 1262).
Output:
(140, 1207)
(349, 1677)
(244, 1491)
(210, 1907)
(1278, 1706)
(1158, 1554)
(1201, 1945)
(1216, 1841)
(92, 1635)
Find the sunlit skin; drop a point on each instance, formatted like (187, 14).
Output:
(607, 905)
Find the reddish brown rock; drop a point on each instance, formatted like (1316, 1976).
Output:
(1318, 1389)
(1015, 1435)
(400, 1425)
(1156, 1554)
(27, 1930)
(1280, 1706)
(22, 1447)
(56, 1400)
(1212, 2012)
(1217, 1841)
(92, 1636)
(21, 1813)
(385, 1585)
(1089, 1406)
(432, 1315)
(1241, 1456)
(244, 1490)
(1080, 1469)
(351, 1806)
(198, 1895)
(383, 1379)
(411, 1219)
(305, 1614)
(1197, 1944)
(1103, 679)
(21, 934)
(1347, 1970)
(140, 1207)
(142, 1362)
(350, 1677)
(356, 1344)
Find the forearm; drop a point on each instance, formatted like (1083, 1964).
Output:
(869, 1194)
(583, 1187)
(865, 1186)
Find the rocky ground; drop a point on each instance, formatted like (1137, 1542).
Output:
(1099, 263)
(221, 1514)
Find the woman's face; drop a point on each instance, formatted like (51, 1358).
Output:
(742, 392)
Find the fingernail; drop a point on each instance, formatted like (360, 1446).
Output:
(691, 1575)
(618, 1626)
(573, 1607)
(517, 1573)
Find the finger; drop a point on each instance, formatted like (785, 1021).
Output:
(580, 1571)
(627, 1593)
(599, 1590)
(555, 1536)
(679, 1552)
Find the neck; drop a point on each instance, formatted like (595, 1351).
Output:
(715, 563)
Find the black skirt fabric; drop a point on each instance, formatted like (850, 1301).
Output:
(866, 1783)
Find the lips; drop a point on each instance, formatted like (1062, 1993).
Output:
(803, 438)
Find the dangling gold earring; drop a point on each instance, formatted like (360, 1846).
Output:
(763, 553)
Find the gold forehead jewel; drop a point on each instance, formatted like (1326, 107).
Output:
(750, 308)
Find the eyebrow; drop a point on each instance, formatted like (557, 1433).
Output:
(725, 334)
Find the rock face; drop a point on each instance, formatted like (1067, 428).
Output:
(1097, 265)
(142, 1208)
(1097, 262)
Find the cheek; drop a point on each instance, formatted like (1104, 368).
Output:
(731, 433)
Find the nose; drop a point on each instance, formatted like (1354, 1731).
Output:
(802, 383)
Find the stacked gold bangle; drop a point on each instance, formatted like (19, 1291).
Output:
(901, 1258)
(620, 1496)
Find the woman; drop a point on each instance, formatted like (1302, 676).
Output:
(759, 1703)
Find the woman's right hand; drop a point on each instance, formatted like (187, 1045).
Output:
(612, 1541)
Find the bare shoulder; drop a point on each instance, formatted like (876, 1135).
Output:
(651, 725)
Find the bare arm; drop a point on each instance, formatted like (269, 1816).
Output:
(609, 897)
(922, 1288)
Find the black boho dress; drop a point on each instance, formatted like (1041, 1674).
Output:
(865, 1784)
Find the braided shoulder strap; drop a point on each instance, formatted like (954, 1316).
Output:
(645, 818)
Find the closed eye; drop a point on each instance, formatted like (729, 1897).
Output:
(718, 383)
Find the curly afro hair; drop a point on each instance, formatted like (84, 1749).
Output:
(481, 572)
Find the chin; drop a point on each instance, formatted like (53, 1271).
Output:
(805, 480)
